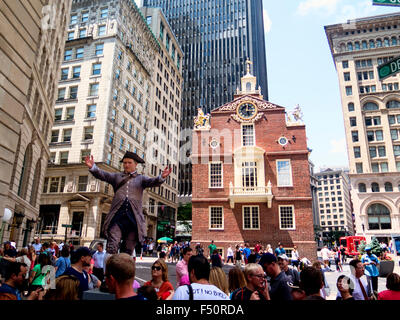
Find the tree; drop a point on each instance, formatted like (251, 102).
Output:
(317, 232)
(374, 244)
(185, 212)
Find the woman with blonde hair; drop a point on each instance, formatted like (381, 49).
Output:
(159, 280)
(236, 279)
(67, 288)
(219, 279)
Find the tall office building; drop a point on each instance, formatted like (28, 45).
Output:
(217, 37)
(334, 201)
(110, 100)
(371, 112)
(32, 42)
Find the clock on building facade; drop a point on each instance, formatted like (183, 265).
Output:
(246, 111)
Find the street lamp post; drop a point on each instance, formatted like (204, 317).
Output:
(6, 217)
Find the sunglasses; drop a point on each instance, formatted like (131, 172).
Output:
(155, 268)
(258, 276)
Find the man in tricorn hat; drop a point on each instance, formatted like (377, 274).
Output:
(125, 221)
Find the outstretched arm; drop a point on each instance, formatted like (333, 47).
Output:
(155, 182)
(97, 172)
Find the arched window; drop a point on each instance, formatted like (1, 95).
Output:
(357, 45)
(371, 44)
(386, 42)
(378, 217)
(35, 184)
(362, 187)
(25, 172)
(374, 187)
(370, 106)
(393, 104)
(364, 45)
(349, 46)
(378, 43)
(248, 86)
(394, 41)
(350, 106)
(388, 187)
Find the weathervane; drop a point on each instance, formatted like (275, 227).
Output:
(248, 63)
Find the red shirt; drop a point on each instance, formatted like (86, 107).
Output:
(389, 295)
(163, 291)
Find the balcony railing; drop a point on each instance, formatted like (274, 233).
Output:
(250, 194)
(249, 190)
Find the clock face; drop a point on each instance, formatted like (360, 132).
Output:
(283, 141)
(247, 111)
(214, 144)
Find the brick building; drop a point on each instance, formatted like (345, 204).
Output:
(251, 179)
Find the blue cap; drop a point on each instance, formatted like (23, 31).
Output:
(367, 248)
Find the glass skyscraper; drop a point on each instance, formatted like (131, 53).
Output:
(217, 37)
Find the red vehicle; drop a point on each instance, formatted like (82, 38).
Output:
(351, 243)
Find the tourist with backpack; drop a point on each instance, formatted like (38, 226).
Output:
(39, 272)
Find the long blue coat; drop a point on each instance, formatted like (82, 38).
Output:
(133, 190)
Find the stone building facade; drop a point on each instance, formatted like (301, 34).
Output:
(31, 48)
(371, 114)
(107, 105)
(251, 178)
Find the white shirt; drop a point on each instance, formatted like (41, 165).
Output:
(325, 253)
(230, 252)
(98, 258)
(295, 255)
(200, 292)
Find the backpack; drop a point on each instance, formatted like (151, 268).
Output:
(190, 292)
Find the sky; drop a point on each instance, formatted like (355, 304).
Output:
(301, 70)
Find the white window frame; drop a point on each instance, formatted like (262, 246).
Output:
(251, 218)
(290, 172)
(256, 167)
(280, 217)
(209, 175)
(254, 134)
(209, 217)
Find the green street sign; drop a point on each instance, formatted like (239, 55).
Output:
(386, 2)
(389, 68)
(67, 225)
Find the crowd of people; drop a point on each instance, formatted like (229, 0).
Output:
(255, 274)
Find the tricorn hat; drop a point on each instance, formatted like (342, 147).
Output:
(133, 156)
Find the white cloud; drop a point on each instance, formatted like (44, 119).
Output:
(351, 12)
(267, 22)
(326, 7)
(338, 146)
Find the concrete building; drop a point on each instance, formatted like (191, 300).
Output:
(109, 101)
(164, 137)
(371, 110)
(258, 173)
(32, 43)
(334, 201)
